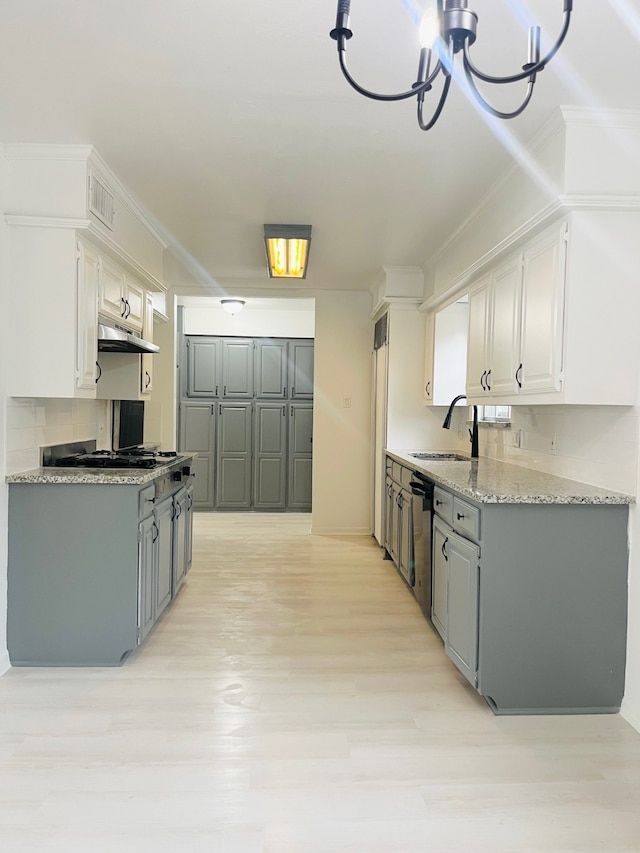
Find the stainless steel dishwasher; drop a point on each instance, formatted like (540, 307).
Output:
(422, 512)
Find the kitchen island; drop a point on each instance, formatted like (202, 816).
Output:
(528, 582)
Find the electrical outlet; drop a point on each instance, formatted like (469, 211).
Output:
(346, 402)
(552, 444)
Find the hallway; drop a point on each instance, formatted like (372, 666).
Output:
(294, 700)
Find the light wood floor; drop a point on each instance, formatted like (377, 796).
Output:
(294, 700)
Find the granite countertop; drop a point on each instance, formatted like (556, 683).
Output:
(490, 481)
(95, 476)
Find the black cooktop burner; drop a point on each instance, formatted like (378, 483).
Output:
(132, 458)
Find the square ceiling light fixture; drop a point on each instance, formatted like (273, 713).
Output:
(287, 250)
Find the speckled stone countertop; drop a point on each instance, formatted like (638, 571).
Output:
(490, 481)
(94, 476)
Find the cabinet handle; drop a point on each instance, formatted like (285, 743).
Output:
(444, 545)
(224, 391)
(399, 501)
(427, 388)
(128, 308)
(439, 503)
(283, 411)
(148, 375)
(484, 387)
(519, 376)
(488, 383)
(99, 372)
(216, 394)
(459, 515)
(293, 390)
(123, 310)
(156, 531)
(284, 391)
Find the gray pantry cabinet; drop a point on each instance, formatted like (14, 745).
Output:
(248, 414)
(91, 569)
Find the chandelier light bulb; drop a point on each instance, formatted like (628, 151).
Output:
(429, 29)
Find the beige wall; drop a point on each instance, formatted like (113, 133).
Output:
(342, 435)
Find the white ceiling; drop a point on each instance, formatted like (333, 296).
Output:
(221, 116)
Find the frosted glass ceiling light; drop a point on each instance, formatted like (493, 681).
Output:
(446, 29)
(287, 250)
(232, 306)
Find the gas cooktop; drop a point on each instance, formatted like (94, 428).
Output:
(134, 458)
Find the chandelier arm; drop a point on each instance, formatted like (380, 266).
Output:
(436, 115)
(485, 106)
(401, 96)
(530, 68)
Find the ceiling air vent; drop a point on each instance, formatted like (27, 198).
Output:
(101, 201)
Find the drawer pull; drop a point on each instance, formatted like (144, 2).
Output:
(439, 503)
(459, 515)
(444, 545)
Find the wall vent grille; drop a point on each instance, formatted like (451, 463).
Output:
(101, 201)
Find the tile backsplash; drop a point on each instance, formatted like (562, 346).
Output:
(34, 423)
(593, 444)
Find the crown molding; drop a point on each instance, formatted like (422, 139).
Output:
(44, 151)
(22, 221)
(117, 252)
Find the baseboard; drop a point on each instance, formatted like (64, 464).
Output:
(631, 715)
(340, 531)
(5, 663)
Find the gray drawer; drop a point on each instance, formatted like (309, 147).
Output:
(443, 504)
(406, 476)
(466, 519)
(145, 500)
(396, 469)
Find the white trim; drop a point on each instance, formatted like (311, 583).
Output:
(117, 250)
(632, 718)
(406, 302)
(596, 117)
(44, 151)
(46, 221)
(5, 663)
(159, 317)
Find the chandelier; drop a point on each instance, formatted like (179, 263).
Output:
(448, 29)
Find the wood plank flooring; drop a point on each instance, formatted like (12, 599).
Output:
(294, 700)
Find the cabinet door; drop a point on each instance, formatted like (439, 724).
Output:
(429, 359)
(300, 457)
(389, 503)
(146, 593)
(203, 366)
(461, 638)
(271, 369)
(112, 288)
(134, 297)
(407, 563)
(440, 561)
(197, 434)
(270, 461)
(542, 314)
(188, 546)
(163, 554)
(179, 538)
(237, 368)
(87, 317)
(479, 333)
(146, 359)
(504, 347)
(301, 369)
(234, 457)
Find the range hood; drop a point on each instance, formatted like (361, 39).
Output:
(116, 339)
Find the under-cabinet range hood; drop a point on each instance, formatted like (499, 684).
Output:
(115, 339)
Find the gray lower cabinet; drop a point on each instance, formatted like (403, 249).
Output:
(300, 456)
(399, 521)
(90, 569)
(180, 519)
(270, 456)
(189, 526)
(531, 601)
(198, 435)
(234, 456)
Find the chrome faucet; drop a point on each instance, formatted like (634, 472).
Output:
(472, 432)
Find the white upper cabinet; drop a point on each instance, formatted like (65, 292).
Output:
(146, 359)
(539, 330)
(121, 297)
(87, 328)
(445, 354)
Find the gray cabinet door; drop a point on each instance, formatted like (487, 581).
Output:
(390, 519)
(163, 554)
(300, 456)
(271, 369)
(407, 564)
(270, 461)
(179, 538)
(234, 456)
(189, 535)
(197, 434)
(461, 638)
(237, 367)
(440, 561)
(203, 366)
(146, 591)
(301, 369)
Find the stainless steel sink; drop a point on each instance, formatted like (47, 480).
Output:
(440, 457)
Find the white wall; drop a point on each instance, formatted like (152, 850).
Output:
(259, 318)
(4, 656)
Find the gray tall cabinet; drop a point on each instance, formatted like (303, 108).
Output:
(247, 410)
